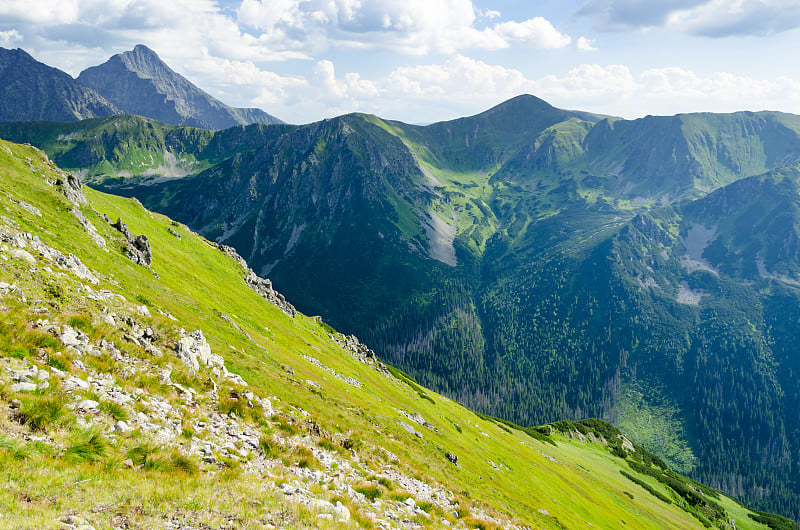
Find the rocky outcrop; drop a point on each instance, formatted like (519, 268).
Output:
(260, 285)
(18, 244)
(71, 188)
(194, 351)
(136, 248)
(360, 351)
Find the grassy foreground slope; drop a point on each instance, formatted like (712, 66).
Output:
(334, 431)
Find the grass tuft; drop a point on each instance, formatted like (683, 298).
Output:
(87, 446)
(115, 410)
(370, 491)
(40, 413)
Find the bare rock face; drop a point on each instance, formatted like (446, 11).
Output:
(31, 90)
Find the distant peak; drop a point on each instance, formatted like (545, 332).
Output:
(142, 49)
(15, 51)
(525, 99)
(142, 52)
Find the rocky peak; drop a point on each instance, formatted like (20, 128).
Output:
(139, 82)
(31, 90)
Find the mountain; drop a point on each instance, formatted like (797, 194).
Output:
(139, 82)
(125, 147)
(534, 263)
(31, 90)
(144, 393)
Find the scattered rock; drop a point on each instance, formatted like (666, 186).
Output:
(360, 351)
(27, 207)
(451, 457)
(88, 405)
(122, 427)
(23, 387)
(23, 255)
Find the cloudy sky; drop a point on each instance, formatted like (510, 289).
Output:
(421, 61)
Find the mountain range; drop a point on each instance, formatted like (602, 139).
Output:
(134, 82)
(533, 263)
(150, 378)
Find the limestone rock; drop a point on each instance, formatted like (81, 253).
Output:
(23, 387)
(136, 248)
(193, 350)
(70, 187)
(261, 286)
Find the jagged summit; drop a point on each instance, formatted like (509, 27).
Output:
(139, 82)
(31, 90)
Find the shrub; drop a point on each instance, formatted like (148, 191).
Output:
(400, 496)
(183, 464)
(267, 447)
(15, 449)
(19, 353)
(59, 363)
(284, 426)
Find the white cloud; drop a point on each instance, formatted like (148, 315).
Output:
(489, 13)
(711, 18)
(722, 18)
(463, 85)
(537, 32)
(585, 45)
(41, 11)
(10, 38)
(409, 26)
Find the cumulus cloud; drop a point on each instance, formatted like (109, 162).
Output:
(463, 85)
(614, 89)
(585, 45)
(711, 18)
(537, 32)
(410, 26)
(10, 38)
(719, 18)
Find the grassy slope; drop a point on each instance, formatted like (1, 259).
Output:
(197, 283)
(583, 486)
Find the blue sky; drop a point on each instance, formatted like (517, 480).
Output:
(421, 61)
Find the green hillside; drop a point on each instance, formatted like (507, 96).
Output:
(536, 264)
(332, 426)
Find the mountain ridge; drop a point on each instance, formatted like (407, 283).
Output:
(101, 383)
(133, 82)
(579, 266)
